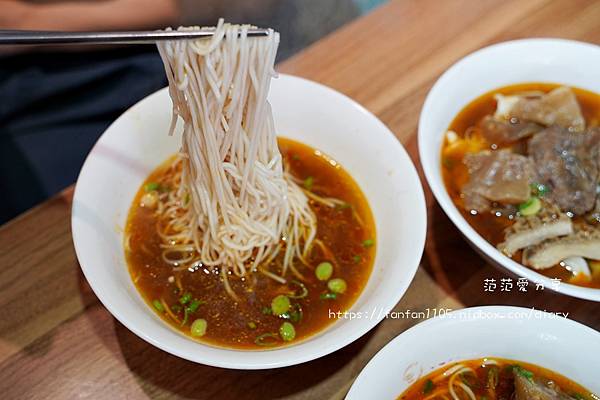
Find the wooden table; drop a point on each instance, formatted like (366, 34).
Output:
(57, 341)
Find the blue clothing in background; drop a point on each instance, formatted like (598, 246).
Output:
(53, 108)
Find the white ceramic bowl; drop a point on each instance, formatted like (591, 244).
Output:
(532, 60)
(513, 333)
(137, 142)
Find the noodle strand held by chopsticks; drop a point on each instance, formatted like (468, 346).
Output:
(234, 202)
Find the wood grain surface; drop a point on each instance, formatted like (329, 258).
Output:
(58, 342)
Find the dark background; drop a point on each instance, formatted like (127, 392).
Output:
(55, 103)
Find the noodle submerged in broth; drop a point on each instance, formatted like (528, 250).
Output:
(495, 379)
(239, 240)
(345, 239)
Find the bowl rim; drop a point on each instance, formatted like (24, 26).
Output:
(499, 310)
(409, 174)
(434, 179)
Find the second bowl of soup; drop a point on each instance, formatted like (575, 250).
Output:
(509, 139)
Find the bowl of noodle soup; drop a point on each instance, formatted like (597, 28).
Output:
(135, 146)
(441, 358)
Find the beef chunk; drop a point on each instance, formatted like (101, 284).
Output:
(557, 107)
(501, 131)
(568, 163)
(496, 176)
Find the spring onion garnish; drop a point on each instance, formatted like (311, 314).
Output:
(368, 243)
(303, 290)
(328, 296)
(158, 305)
(266, 339)
(297, 314)
(428, 386)
(324, 271)
(280, 304)
(530, 207)
(185, 298)
(337, 285)
(194, 305)
(523, 372)
(151, 186)
(539, 189)
(251, 325)
(356, 259)
(287, 331)
(198, 327)
(308, 183)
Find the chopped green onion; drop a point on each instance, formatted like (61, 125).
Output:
(428, 386)
(151, 186)
(266, 339)
(523, 372)
(324, 271)
(530, 207)
(539, 189)
(297, 314)
(337, 285)
(287, 331)
(295, 157)
(198, 327)
(280, 304)
(185, 298)
(158, 305)
(194, 305)
(302, 287)
(308, 183)
(186, 199)
(356, 259)
(251, 325)
(368, 243)
(328, 296)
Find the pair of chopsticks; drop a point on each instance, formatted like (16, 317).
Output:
(14, 37)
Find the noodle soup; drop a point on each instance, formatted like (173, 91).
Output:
(522, 164)
(494, 378)
(268, 309)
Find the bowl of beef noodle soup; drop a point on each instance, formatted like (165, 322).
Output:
(510, 143)
(488, 353)
(232, 218)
